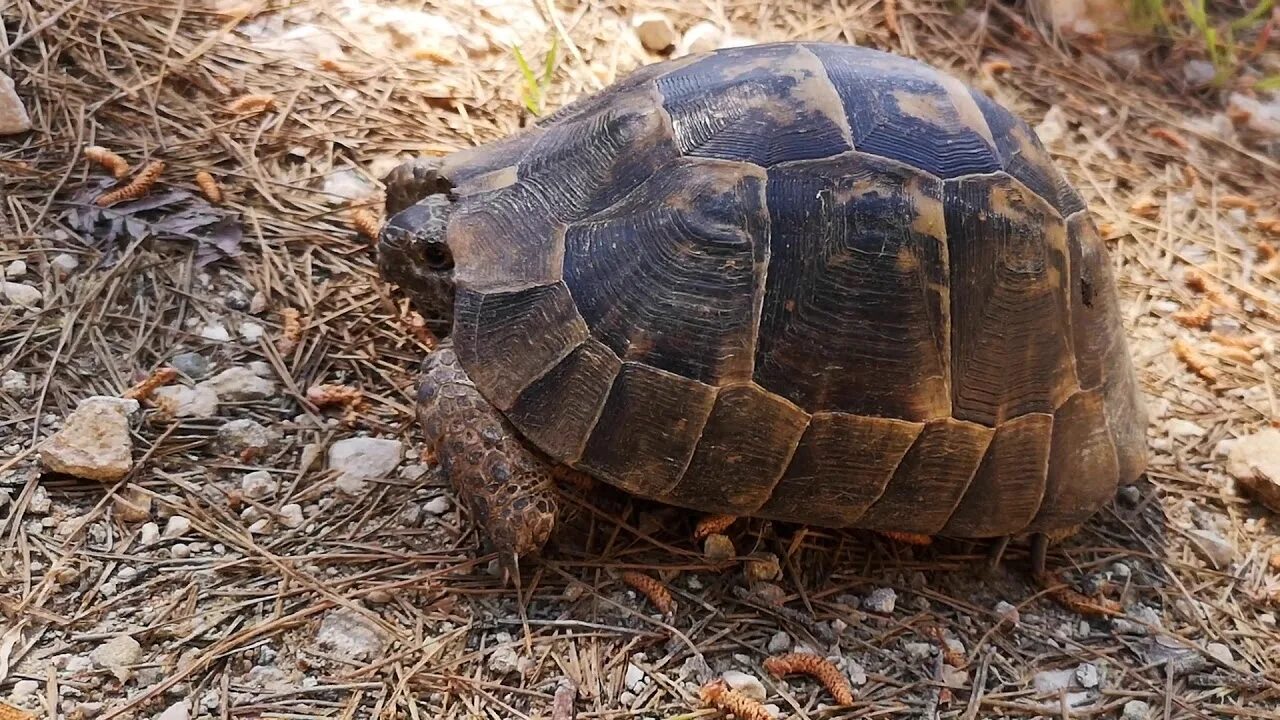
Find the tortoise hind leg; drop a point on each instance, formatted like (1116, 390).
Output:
(504, 482)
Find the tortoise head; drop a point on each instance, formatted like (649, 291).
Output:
(414, 254)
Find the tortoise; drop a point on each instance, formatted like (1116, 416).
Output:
(801, 281)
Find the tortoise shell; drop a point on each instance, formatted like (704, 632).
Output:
(803, 281)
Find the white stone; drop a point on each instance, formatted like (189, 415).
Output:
(20, 294)
(64, 263)
(1053, 127)
(1262, 117)
(13, 114)
(504, 660)
(1135, 710)
(251, 331)
(94, 443)
(117, 654)
(1220, 652)
(857, 674)
(348, 634)
(779, 643)
(260, 527)
(257, 484)
(15, 384)
(702, 37)
(361, 458)
(1254, 461)
(1179, 427)
(918, 650)
(176, 711)
(291, 515)
(437, 505)
(1051, 681)
(746, 684)
(881, 600)
(195, 401)
(346, 185)
(150, 533)
(655, 31)
(1215, 548)
(15, 269)
(24, 689)
(240, 383)
(634, 678)
(176, 527)
(216, 332)
(244, 434)
(1087, 675)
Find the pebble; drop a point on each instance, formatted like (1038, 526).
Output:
(239, 384)
(176, 711)
(347, 633)
(150, 534)
(257, 484)
(193, 365)
(1135, 710)
(1215, 548)
(881, 600)
(918, 650)
(15, 384)
(24, 689)
(656, 32)
(180, 551)
(15, 269)
(437, 505)
(1120, 570)
(94, 443)
(361, 458)
(718, 548)
(1008, 612)
(235, 299)
(1199, 73)
(857, 674)
(239, 435)
(1220, 652)
(1180, 427)
(116, 654)
(1051, 681)
(1087, 675)
(198, 401)
(504, 660)
(251, 331)
(13, 114)
(1254, 461)
(65, 263)
(291, 515)
(779, 643)
(176, 527)
(216, 332)
(40, 503)
(634, 678)
(745, 683)
(1130, 494)
(762, 567)
(87, 710)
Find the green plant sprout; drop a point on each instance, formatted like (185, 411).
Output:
(534, 92)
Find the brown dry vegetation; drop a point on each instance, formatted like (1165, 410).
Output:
(228, 624)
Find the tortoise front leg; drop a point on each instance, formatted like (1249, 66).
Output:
(504, 482)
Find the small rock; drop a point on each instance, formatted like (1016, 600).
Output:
(954, 677)
(718, 548)
(746, 684)
(504, 660)
(240, 383)
(1053, 127)
(215, 331)
(656, 33)
(150, 534)
(1120, 570)
(857, 674)
(345, 185)
(918, 650)
(176, 711)
(257, 484)
(1259, 116)
(23, 295)
(13, 114)
(311, 453)
(87, 710)
(1254, 461)
(64, 263)
(1135, 710)
(235, 299)
(702, 37)
(1051, 681)
(881, 600)
(348, 634)
(634, 679)
(358, 459)
(94, 443)
(1220, 652)
(24, 689)
(1130, 494)
(193, 365)
(626, 698)
(251, 331)
(15, 384)
(116, 655)
(779, 643)
(1181, 427)
(1008, 613)
(15, 269)
(180, 551)
(1215, 548)
(437, 505)
(1199, 73)
(239, 435)
(291, 515)
(762, 567)
(40, 503)
(198, 401)
(176, 527)
(1087, 675)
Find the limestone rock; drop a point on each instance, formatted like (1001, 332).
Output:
(13, 114)
(1254, 461)
(94, 443)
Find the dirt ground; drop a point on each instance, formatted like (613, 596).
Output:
(186, 590)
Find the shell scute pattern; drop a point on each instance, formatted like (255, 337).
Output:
(804, 281)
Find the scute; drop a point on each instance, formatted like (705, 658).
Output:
(802, 281)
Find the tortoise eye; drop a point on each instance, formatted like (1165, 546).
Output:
(437, 257)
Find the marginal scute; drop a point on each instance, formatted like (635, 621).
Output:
(763, 105)
(902, 110)
(558, 411)
(669, 275)
(1010, 324)
(647, 431)
(841, 466)
(1082, 464)
(858, 269)
(506, 340)
(1006, 491)
(746, 444)
(931, 478)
